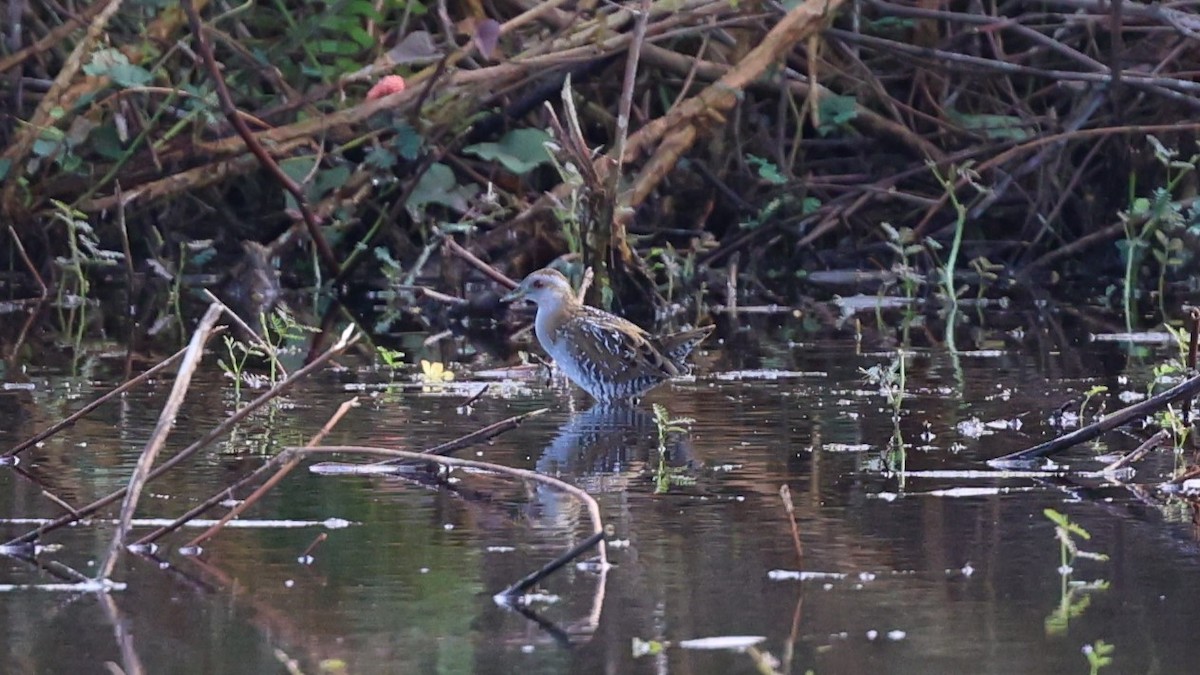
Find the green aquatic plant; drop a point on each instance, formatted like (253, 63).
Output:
(676, 269)
(84, 251)
(1099, 654)
(904, 245)
(1176, 366)
(281, 328)
(988, 272)
(949, 182)
(667, 424)
(1088, 395)
(892, 379)
(238, 353)
(664, 475)
(1155, 220)
(1179, 430)
(393, 360)
(1073, 601)
(1066, 530)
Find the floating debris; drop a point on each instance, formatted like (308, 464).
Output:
(846, 447)
(766, 374)
(976, 491)
(973, 428)
(797, 575)
(735, 642)
(1145, 337)
(893, 635)
(90, 586)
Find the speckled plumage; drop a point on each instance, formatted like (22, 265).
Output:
(607, 356)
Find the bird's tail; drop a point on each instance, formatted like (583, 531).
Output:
(677, 346)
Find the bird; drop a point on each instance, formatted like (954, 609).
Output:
(609, 357)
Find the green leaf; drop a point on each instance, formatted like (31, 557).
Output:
(113, 64)
(767, 170)
(48, 142)
(362, 8)
(408, 142)
(520, 150)
(298, 168)
(1066, 524)
(329, 180)
(437, 186)
(381, 158)
(836, 112)
(994, 127)
(130, 76)
(336, 47)
(70, 162)
(5, 166)
(360, 36)
(106, 143)
(104, 60)
(1056, 517)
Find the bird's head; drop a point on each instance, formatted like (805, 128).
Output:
(543, 287)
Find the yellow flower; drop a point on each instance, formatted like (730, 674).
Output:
(435, 372)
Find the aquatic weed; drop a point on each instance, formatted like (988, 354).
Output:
(393, 360)
(1065, 530)
(1099, 655)
(665, 476)
(1072, 602)
(1087, 397)
(1154, 219)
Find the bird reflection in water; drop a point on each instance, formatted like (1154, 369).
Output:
(611, 447)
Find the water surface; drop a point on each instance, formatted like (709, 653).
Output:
(909, 578)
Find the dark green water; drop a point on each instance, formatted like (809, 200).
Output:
(934, 583)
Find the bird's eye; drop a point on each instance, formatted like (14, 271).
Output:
(538, 283)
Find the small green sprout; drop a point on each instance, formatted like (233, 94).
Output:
(1065, 530)
(1087, 397)
(1099, 655)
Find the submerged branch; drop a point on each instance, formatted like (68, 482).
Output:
(158, 439)
(1188, 388)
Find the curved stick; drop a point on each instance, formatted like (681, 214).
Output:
(524, 474)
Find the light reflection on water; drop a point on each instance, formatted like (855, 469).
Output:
(943, 584)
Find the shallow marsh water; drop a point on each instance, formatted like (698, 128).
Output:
(911, 576)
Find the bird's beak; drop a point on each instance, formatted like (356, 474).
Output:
(513, 295)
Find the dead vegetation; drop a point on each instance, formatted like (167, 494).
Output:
(680, 134)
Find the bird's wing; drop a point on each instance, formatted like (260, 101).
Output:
(618, 349)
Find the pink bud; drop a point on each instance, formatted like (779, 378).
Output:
(389, 84)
